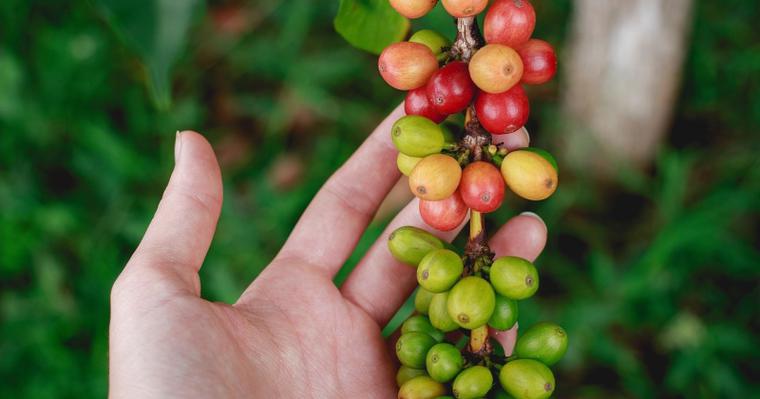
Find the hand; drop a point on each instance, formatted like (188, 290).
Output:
(292, 333)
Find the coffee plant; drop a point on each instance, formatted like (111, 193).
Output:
(460, 341)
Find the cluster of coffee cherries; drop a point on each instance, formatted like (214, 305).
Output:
(464, 302)
(489, 87)
(436, 348)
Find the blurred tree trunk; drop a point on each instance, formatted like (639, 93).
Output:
(622, 72)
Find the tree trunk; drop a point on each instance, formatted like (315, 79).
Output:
(622, 72)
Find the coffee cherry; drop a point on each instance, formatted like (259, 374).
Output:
(410, 244)
(464, 8)
(539, 61)
(417, 136)
(406, 163)
(413, 8)
(421, 324)
(407, 66)
(422, 300)
(433, 40)
(412, 347)
(421, 387)
(439, 314)
(509, 22)
(504, 314)
(503, 113)
(530, 174)
(495, 68)
(405, 374)
(471, 302)
(450, 89)
(439, 270)
(527, 379)
(473, 382)
(436, 177)
(446, 214)
(545, 342)
(482, 187)
(417, 103)
(443, 362)
(514, 278)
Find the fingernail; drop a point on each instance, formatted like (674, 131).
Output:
(177, 146)
(531, 214)
(527, 134)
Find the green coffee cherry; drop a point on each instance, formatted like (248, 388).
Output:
(445, 397)
(439, 314)
(471, 302)
(473, 382)
(409, 244)
(545, 342)
(411, 349)
(439, 270)
(405, 374)
(514, 278)
(422, 300)
(406, 163)
(421, 387)
(417, 136)
(504, 313)
(433, 40)
(421, 324)
(527, 379)
(443, 362)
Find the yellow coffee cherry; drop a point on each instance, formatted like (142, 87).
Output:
(435, 177)
(530, 173)
(406, 163)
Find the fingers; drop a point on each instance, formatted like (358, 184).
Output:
(380, 284)
(513, 141)
(524, 235)
(180, 233)
(506, 338)
(338, 215)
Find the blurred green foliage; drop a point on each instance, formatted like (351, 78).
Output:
(654, 274)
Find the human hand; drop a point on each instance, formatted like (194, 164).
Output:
(292, 333)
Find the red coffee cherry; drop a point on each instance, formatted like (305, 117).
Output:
(444, 215)
(503, 113)
(539, 61)
(509, 22)
(406, 65)
(413, 8)
(450, 90)
(464, 8)
(482, 187)
(417, 103)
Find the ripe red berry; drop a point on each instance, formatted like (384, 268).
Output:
(482, 187)
(464, 8)
(413, 8)
(450, 89)
(417, 103)
(444, 215)
(503, 113)
(509, 22)
(539, 61)
(406, 65)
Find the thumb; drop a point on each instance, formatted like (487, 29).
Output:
(181, 231)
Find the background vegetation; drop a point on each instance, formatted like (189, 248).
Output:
(654, 274)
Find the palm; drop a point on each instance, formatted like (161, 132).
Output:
(293, 333)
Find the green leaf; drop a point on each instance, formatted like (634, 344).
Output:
(370, 25)
(157, 31)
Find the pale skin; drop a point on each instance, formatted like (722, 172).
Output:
(292, 333)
